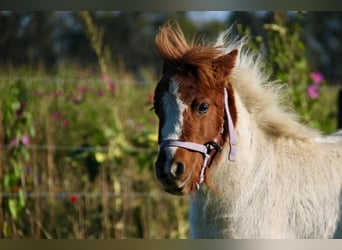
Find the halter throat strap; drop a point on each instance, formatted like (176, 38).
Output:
(207, 148)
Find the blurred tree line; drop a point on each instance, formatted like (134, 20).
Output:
(52, 39)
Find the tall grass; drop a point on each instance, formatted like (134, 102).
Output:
(89, 171)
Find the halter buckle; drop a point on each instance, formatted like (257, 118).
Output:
(212, 145)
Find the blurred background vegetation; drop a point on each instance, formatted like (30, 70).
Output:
(77, 137)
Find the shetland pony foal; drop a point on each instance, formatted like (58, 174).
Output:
(220, 123)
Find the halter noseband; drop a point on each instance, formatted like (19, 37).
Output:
(207, 148)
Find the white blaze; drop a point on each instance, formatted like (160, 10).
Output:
(173, 109)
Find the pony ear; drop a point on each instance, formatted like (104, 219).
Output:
(223, 65)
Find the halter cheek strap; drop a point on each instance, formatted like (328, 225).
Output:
(207, 148)
(231, 131)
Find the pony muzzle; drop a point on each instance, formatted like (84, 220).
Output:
(177, 168)
(170, 172)
(172, 176)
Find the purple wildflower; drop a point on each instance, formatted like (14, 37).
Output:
(14, 142)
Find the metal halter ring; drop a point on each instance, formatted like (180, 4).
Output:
(212, 145)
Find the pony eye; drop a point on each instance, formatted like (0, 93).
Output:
(203, 108)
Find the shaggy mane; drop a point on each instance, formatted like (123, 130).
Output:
(181, 55)
(260, 96)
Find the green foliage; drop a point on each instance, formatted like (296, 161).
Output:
(17, 124)
(88, 170)
(287, 62)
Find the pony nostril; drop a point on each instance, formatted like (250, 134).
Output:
(177, 169)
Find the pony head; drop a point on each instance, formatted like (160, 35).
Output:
(190, 104)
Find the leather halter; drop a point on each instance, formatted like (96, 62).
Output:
(207, 147)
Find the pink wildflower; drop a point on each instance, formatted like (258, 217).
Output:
(56, 115)
(317, 77)
(25, 140)
(109, 82)
(111, 86)
(106, 78)
(57, 93)
(64, 122)
(313, 91)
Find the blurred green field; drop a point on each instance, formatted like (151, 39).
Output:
(87, 171)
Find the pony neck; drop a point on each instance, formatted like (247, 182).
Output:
(248, 136)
